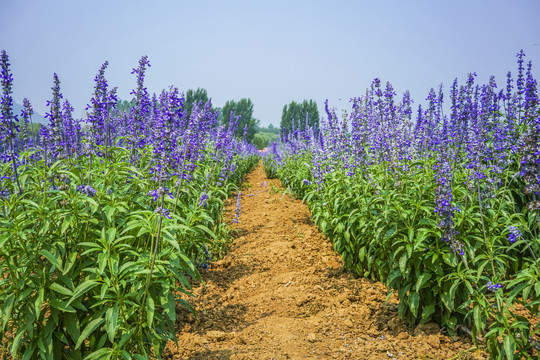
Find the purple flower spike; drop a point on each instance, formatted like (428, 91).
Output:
(515, 234)
(87, 190)
(157, 193)
(163, 212)
(493, 287)
(203, 201)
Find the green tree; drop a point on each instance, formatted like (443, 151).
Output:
(270, 129)
(124, 106)
(244, 109)
(263, 139)
(297, 113)
(195, 96)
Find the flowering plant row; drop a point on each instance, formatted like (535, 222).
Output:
(105, 221)
(443, 208)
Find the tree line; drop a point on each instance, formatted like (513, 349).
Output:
(294, 116)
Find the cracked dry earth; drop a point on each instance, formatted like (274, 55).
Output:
(281, 293)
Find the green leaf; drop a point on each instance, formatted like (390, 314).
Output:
(39, 301)
(82, 288)
(61, 289)
(389, 233)
(72, 326)
(428, 311)
(111, 321)
(150, 310)
(509, 346)
(403, 263)
(125, 337)
(70, 262)
(44, 228)
(414, 299)
(62, 306)
(52, 259)
(109, 212)
(170, 308)
(17, 341)
(88, 330)
(422, 279)
(478, 322)
(66, 223)
(8, 306)
(104, 353)
(111, 235)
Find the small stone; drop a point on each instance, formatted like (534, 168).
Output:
(402, 336)
(348, 323)
(311, 337)
(225, 263)
(428, 329)
(393, 324)
(215, 335)
(301, 301)
(373, 332)
(433, 341)
(241, 339)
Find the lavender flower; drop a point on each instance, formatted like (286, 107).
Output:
(56, 133)
(238, 209)
(139, 113)
(100, 105)
(26, 114)
(530, 162)
(493, 287)
(207, 258)
(167, 120)
(87, 190)
(203, 199)
(161, 211)
(8, 127)
(160, 191)
(72, 129)
(514, 234)
(4, 191)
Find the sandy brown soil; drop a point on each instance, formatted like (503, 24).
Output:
(281, 293)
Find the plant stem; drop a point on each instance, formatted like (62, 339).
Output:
(15, 167)
(484, 228)
(154, 255)
(181, 179)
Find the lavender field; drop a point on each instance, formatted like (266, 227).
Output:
(107, 219)
(442, 207)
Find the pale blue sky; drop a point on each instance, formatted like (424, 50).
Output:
(272, 51)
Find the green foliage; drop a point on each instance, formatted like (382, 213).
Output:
(199, 96)
(244, 109)
(263, 139)
(295, 115)
(33, 130)
(124, 106)
(270, 129)
(100, 277)
(382, 221)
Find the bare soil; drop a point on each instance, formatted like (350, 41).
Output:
(282, 293)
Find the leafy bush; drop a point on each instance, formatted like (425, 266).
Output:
(87, 275)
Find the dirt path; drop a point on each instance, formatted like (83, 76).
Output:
(281, 293)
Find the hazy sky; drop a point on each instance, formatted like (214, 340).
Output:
(272, 52)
